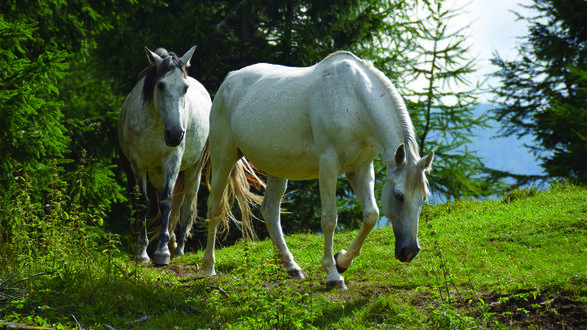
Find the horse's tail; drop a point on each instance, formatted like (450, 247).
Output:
(243, 176)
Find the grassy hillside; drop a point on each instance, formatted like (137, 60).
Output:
(518, 262)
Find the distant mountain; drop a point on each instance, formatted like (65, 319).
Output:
(504, 153)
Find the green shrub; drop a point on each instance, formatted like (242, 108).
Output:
(48, 245)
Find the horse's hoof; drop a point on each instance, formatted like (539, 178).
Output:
(339, 269)
(296, 273)
(178, 253)
(161, 259)
(336, 284)
(208, 272)
(143, 258)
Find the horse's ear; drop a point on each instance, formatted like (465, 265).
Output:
(154, 59)
(187, 56)
(426, 162)
(400, 156)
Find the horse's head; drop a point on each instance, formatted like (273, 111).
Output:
(403, 194)
(167, 87)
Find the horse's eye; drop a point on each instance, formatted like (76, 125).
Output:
(185, 89)
(161, 85)
(398, 196)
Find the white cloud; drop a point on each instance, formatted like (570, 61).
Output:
(492, 26)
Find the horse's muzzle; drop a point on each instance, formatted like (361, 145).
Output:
(174, 138)
(406, 253)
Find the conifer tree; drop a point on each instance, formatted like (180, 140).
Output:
(38, 42)
(443, 108)
(30, 120)
(543, 92)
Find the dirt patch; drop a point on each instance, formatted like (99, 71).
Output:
(184, 273)
(529, 309)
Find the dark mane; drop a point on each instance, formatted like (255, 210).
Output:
(152, 74)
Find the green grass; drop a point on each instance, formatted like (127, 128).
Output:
(517, 262)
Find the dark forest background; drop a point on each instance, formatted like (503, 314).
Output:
(66, 67)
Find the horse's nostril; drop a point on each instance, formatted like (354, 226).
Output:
(406, 255)
(403, 254)
(174, 138)
(412, 254)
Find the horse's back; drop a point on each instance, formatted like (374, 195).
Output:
(283, 118)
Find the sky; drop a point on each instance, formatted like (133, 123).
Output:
(492, 26)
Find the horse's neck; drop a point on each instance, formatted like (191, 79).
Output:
(391, 124)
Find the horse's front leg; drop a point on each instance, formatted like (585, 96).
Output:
(328, 176)
(144, 205)
(362, 182)
(162, 255)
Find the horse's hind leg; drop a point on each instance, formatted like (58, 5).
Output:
(270, 210)
(188, 215)
(221, 169)
(362, 182)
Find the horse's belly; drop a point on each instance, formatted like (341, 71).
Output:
(277, 138)
(278, 156)
(286, 166)
(290, 148)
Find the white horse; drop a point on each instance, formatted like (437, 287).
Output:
(317, 122)
(163, 128)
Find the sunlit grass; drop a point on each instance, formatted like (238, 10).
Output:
(480, 261)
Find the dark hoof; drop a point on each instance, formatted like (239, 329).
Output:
(335, 284)
(339, 269)
(296, 273)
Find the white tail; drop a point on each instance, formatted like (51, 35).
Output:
(242, 177)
